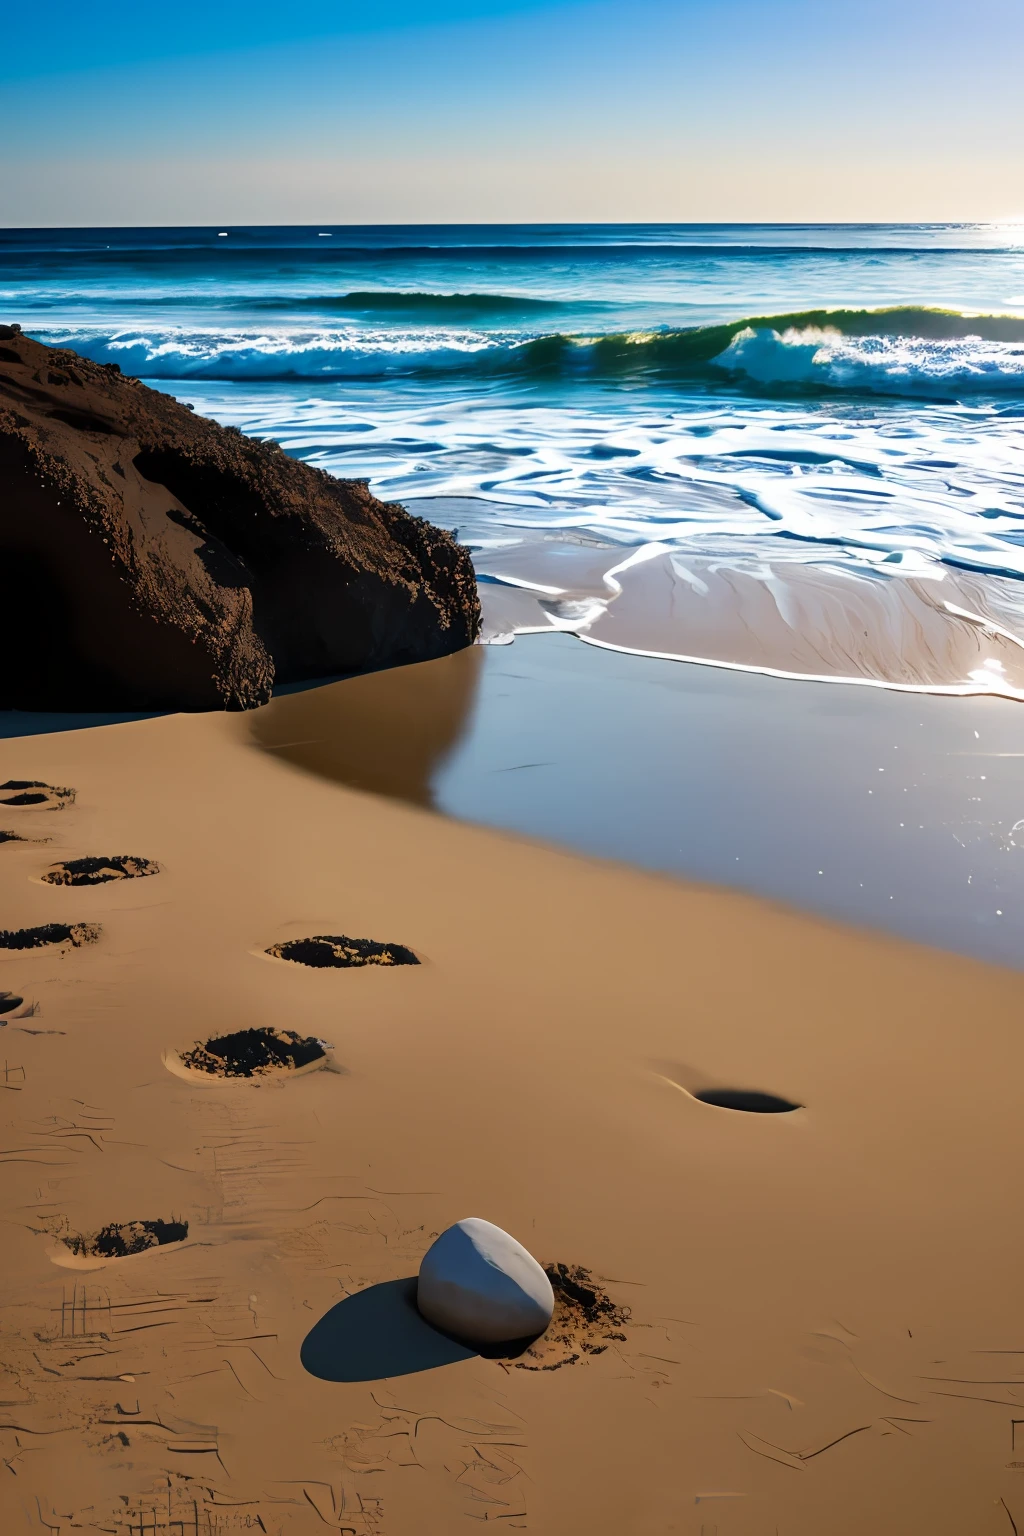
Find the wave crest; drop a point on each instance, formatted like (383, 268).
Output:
(879, 364)
(896, 351)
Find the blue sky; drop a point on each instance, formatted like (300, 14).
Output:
(498, 110)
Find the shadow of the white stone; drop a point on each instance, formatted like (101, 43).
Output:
(376, 1333)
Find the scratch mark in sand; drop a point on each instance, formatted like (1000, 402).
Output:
(980, 1381)
(726, 1397)
(795, 1459)
(23, 1429)
(382, 1192)
(968, 1397)
(912, 1401)
(775, 1453)
(141, 1327)
(810, 1455)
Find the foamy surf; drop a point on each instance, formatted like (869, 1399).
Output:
(907, 351)
(179, 354)
(892, 365)
(846, 482)
(939, 631)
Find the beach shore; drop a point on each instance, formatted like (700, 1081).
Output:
(870, 806)
(824, 1329)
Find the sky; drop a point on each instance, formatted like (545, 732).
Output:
(396, 111)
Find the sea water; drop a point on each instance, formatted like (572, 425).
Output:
(763, 397)
(837, 401)
(593, 379)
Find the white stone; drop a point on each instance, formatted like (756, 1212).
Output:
(478, 1283)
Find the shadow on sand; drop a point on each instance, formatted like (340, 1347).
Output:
(26, 722)
(386, 732)
(379, 1332)
(375, 1333)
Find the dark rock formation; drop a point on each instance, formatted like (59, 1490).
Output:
(152, 559)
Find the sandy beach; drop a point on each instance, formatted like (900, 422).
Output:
(824, 1304)
(511, 745)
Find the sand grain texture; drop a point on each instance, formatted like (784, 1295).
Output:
(820, 1310)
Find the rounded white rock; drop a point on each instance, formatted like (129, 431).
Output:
(478, 1283)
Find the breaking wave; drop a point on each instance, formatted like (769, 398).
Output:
(875, 364)
(344, 352)
(907, 351)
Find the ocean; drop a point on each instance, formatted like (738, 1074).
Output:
(828, 416)
(778, 449)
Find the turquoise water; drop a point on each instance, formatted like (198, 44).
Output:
(564, 377)
(556, 392)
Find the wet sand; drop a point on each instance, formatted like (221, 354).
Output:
(825, 1329)
(942, 631)
(896, 812)
(792, 604)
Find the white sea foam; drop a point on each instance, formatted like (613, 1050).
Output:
(905, 365)
(802, 358)
(348, 352)
(934, 631)
(888, 485)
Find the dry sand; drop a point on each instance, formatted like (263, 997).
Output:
(827, 1330)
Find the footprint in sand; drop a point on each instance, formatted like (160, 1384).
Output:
(338, 951)
(33, 794)
(250, 1053)
(698, 1086)
(117, 1240)
(750, 1101)
(48, 934)
(97, 869)
(14, 1007)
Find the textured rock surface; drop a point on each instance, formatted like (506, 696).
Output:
(477, 1283)
(153, 559)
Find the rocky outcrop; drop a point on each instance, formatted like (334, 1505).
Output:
(152, 559)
